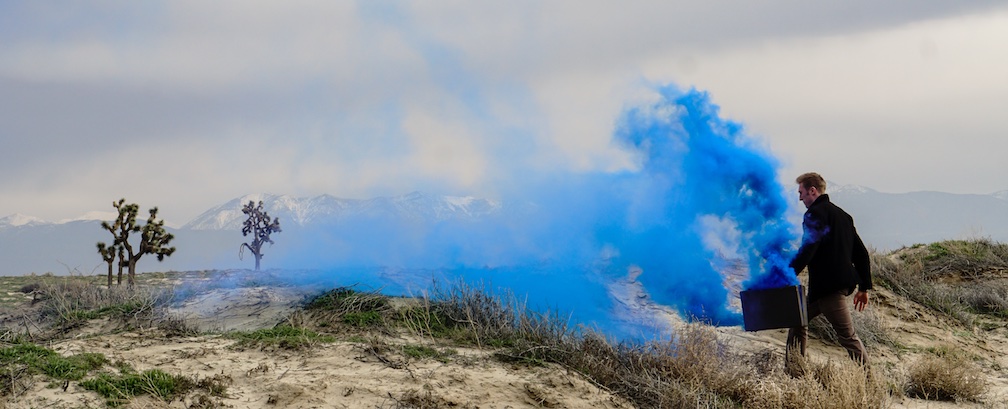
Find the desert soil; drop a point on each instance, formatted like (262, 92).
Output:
(349, 374)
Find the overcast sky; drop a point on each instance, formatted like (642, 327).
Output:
(187, 104)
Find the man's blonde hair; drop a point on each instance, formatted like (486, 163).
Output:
(812, 179)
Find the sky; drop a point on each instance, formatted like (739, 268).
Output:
(185, 105)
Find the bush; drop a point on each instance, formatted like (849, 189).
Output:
(945, 377)
(70, 301)
(345, 306)
(956, 278)
(119, 389)
(283, 336)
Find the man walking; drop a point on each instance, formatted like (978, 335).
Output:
(837, 262)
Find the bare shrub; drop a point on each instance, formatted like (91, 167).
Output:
(867, 325)
(488, 316)
(829, 384)
(956, 277)
(908, 280)
(345, 306)
(427, 400)
(70, 301)
(985, 298)
(176, 326)
(945, 377)
(696, 368)
(965, 258)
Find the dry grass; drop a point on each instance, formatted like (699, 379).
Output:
(958, 278)
(696, 367)
(949, 377)
(71, 301)
(346, 309)
(414, 399)
(867, 325)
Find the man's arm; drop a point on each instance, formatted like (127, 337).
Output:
(862, 265)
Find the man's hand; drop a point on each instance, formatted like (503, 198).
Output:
(860, 300)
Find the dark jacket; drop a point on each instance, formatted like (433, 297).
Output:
(836, 257)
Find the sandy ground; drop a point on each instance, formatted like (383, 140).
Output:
(340, 375)
(337, 375)
(351, 375)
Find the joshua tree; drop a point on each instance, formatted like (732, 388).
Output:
(108, 254)
(260, 226)
(153, 239)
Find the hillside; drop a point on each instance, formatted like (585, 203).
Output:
(264, 343)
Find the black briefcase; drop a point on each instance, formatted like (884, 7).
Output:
(773, 308)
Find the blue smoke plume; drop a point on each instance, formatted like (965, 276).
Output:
(702, 212)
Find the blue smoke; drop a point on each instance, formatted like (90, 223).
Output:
(701, 212)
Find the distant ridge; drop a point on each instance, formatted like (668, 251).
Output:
(886, 221)
(303, 211)
(848, 189)
(18, 220)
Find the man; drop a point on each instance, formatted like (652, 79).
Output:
(837, 262)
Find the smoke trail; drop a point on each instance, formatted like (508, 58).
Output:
(702, 203)
(720, 200)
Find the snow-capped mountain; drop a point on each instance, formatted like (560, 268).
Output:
(328, 209)
(848, 189)
(17, 220)
(93, 215)
(21, 221)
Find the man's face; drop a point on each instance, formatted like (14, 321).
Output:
(807, 196)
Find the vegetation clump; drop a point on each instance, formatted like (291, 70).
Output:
(282, 336)
(348, 307)
(947, 377)
(118, 389)
(72, 301)
(958, 278)
(30, 358)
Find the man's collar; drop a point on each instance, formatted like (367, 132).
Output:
(822, 198)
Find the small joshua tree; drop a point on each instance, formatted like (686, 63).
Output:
(260, 226)
(153, 239)
(108, 254)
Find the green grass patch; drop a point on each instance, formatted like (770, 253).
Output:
(42, 360)
(331, 299)
(426, 321)
(347, 300)
(119, 389)
(283, 336)
(425, 352)
(363, 319)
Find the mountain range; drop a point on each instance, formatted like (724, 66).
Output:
(326, 209)
(886, 221)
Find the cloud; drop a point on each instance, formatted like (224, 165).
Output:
(333, 96)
